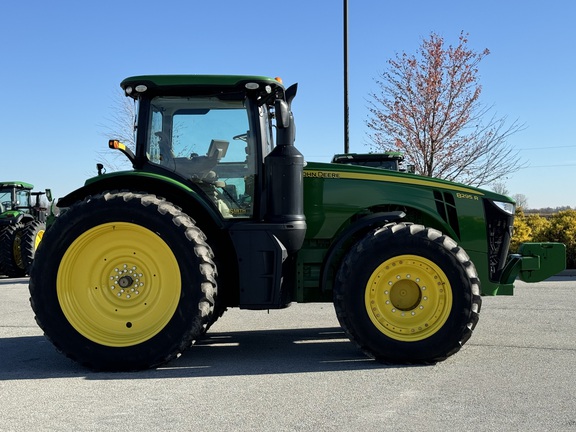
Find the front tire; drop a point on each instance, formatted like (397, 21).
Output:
(31, 237)
(407, 294)
(123, 281)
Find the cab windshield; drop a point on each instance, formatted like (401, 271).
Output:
(5, 200)
(13, 199)
(207, 141)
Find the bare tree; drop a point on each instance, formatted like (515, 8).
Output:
(521, 201)
(428, 107)
(500, 188)
(119, 126)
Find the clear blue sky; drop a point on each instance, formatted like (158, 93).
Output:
(61, 63)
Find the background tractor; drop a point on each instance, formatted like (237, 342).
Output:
(22, 226)
(391, 160)
(221, 210)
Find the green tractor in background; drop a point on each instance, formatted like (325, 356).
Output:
(390, 160)
(221, 210)
(22, 226)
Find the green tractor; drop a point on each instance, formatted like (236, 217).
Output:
(221, 211)
(22, 226)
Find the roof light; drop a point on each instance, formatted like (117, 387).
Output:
(141, 88)
(252, 85)
(279, 80)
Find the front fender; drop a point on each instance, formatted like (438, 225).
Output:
(353, 231)
(11, 217)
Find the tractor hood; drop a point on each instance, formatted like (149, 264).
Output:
(11, 217)
(357, 172)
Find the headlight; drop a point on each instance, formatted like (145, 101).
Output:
(506, 207)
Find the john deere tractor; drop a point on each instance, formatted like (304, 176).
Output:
(221, 210)
(22, 225)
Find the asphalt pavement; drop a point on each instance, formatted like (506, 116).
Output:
(294, 370)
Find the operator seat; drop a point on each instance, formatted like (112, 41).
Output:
(201, 167)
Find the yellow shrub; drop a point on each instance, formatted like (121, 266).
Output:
(539, 226)
(522, 231)
(562, 228)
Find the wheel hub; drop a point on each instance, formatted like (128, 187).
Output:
(405, 294)
(126, 281)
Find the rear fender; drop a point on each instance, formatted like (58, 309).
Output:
(176, 192)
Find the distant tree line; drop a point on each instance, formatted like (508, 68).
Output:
(547, 225)
(546, 210)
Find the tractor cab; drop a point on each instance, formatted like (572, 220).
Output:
(14, 196)
(17, 202)
(207, 141)
(214, 132)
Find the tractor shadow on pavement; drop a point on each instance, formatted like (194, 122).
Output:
(219, 354)
(5, 280)
(272, 352)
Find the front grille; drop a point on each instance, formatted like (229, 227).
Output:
(499, 230)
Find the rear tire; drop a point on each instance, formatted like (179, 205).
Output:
(407, 294)
(2, 265)
(11, 251)
(123, 281)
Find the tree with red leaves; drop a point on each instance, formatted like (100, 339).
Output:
(428, 108)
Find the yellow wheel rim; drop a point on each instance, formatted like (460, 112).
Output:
(118, 284)
(17, 249)
(38, 239)
(408, 298)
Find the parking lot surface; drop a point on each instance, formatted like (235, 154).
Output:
(294, 370)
